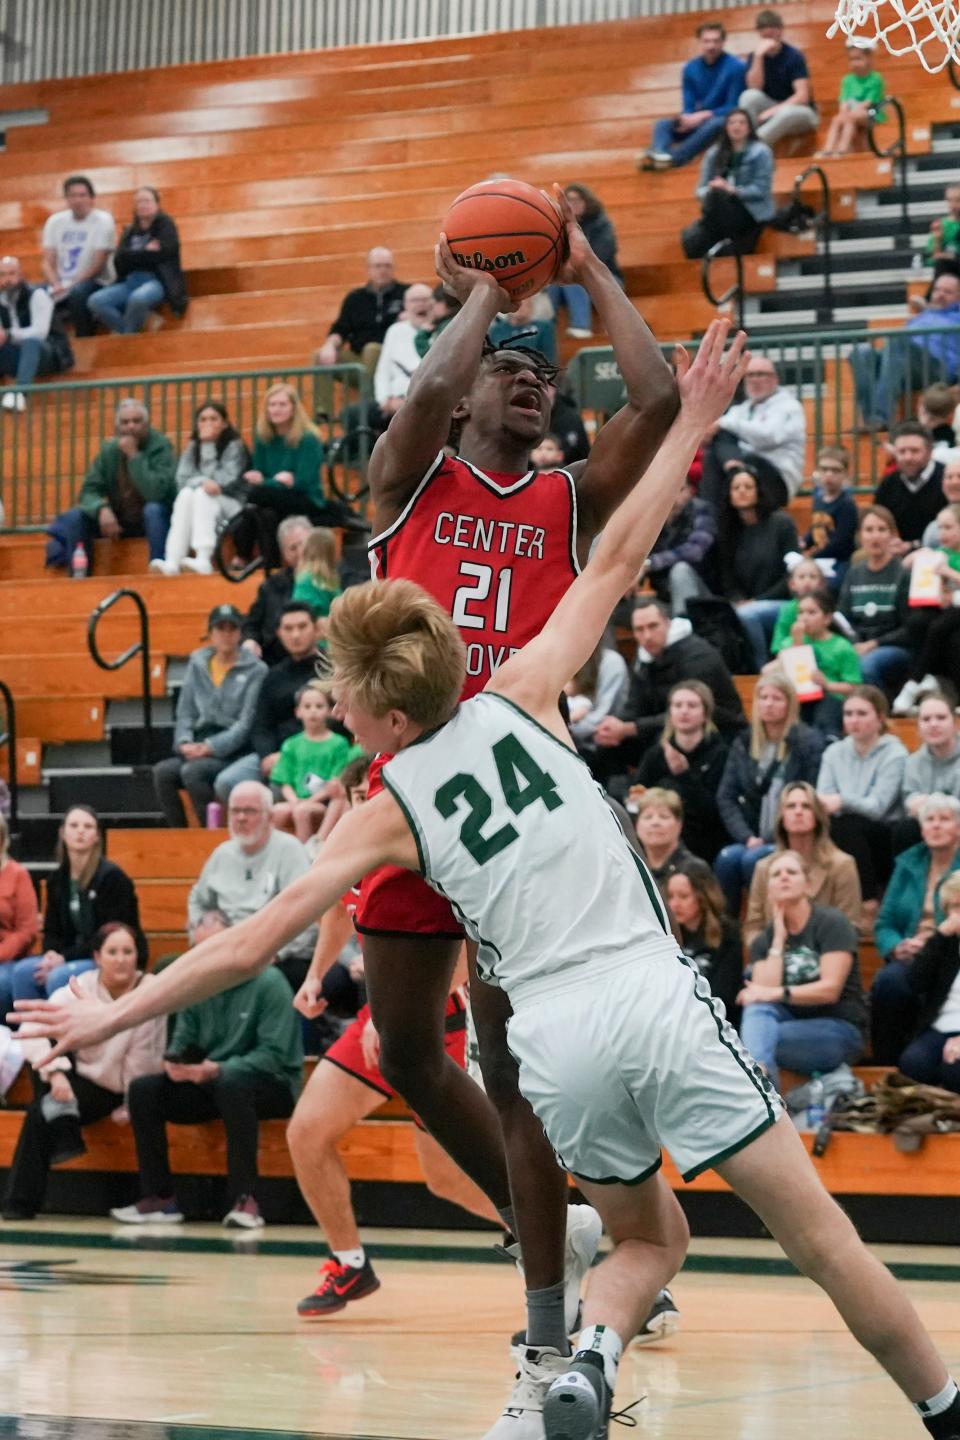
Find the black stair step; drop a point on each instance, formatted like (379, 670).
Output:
(916, 194)
(127, 744)
(103, 792)
(845, 264)
(869, 227)
(852, 295)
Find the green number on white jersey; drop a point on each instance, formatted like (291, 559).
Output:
(522, 782)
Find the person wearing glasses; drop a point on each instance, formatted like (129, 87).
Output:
(768, 429)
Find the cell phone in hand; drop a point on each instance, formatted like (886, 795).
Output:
(189, 1055)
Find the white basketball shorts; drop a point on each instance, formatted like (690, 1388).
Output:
(622, 1059)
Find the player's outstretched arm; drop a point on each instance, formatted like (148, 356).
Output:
(364, 839)
(535, 676)
(630, 439)
(419, 429)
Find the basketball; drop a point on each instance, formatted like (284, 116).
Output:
(509, 229)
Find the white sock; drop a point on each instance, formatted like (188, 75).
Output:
(601, 1340)
(940, 1402)
(354, 1258)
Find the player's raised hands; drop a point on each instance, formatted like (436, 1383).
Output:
(578, 250)
(707, 383)
(72, 1027)
(461, 280)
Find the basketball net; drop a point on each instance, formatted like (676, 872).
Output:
(928, 28)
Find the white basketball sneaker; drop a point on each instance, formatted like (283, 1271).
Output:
(522, 1417)
(584, 1229)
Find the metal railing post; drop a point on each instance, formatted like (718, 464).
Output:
(141, 648)
(9, 738)
(823, 221)
(897, 149)
(723, 250)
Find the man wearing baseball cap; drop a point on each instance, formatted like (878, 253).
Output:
(214, 716)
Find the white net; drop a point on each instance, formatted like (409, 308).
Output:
(928, 28)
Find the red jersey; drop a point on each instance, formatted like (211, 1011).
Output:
(497, 551)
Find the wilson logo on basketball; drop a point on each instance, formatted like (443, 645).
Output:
(478, 261)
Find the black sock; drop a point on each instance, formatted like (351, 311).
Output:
(946, 1424)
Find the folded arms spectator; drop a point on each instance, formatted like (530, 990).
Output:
(147, 262)
(712, 84)
(735, 191)
(886, 373)
(32, 340)
(128, 490)
(779, 96)
(214, 717)
(77, 245)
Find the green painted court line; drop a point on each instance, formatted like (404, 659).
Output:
(460, 1254)
(64, 1427)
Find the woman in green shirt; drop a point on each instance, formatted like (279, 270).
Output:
(286, 475)
(838, 665)
(861, 89)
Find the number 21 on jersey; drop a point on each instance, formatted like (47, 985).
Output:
(476, 589)
(522, 783)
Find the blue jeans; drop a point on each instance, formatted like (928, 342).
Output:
(683, 145)
(75, 527)
(758, 618)
(26, 359)
(124, 307)
(774, 1038)
(246, 768)
(923, 1060)
(734, 868)
(886, 667)
(885, 374)
(577, 301)
(25, 987)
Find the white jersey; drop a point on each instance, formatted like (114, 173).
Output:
(512, 829)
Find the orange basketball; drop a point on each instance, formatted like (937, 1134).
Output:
(509, 229)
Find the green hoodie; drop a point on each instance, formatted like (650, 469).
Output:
(252, 1029)
(152, 472)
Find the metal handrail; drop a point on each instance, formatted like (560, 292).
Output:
(141, 648)
(723, 249)
(897, 149)
(823, 221)
(9, 738)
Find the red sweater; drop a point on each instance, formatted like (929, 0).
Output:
(19, 916)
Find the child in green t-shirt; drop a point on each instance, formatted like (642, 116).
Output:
(308, 768)
(806, 578)
(316, 582)
(838, 664)
(943, 242)
(860, 89)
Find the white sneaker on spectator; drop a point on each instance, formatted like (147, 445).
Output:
(522, 1416)
(906, 701)
(164, 567)
(13, 400)
(149, 1211)
(244, 1215)
(198, 564)
(576, 333)
(929, 684)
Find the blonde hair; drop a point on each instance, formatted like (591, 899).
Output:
(395, 648)
(660, 795)
(823, 849)
(319, 559)
(954, 509)
(758, 738)
(318, 687)
(950, 890)
(704, 694)
(300, 425)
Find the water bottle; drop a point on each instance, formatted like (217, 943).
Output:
(916, 264)
(816, 1107)
(214, 815)
(79, 564)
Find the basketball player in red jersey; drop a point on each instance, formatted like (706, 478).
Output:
(498, 546)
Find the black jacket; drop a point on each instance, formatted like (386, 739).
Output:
(164, 263)
(602, 239)
(264, 618)
(913, 512)
(274, 720)
(367, 314)
(722, 968)
(689, 658)
(931, 974)
(744, 783)
(703, 832)
(110, 896)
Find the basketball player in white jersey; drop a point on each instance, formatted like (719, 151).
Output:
(621, 1047)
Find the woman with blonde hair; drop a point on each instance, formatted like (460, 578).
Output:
(690, 759)
(317, 580)
(286, 473)
(803, 825)
(19, 916)
(778, 751)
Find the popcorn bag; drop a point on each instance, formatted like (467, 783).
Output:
(800, 664)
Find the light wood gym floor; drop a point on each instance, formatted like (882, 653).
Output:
(191, 1335)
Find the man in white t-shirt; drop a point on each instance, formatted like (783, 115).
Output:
(77, 244)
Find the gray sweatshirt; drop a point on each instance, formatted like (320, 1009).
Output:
(240, 884)
(227, 469)
(867, 784)
(924, 774)
(222, 715)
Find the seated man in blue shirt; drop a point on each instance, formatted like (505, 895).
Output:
(778, 97)
(712, 83)
(909, 361)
